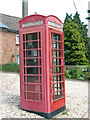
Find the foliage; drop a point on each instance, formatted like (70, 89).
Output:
(10, 67)
(83, 30)
(13, 55)
(74, 43)
(81, 27)
(88, 49)
(65, 113)
(78, 72)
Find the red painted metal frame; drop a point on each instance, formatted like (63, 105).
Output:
(45, 105)
(56, 104)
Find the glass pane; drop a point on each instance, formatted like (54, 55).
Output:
(24, 71)
(56, 70)
(56, 36)
(39, 53)
(58, 95)
(56, 45)
(59, 77)
(61, 45)
(33, 87)
(32, 62)
(24, 54)
(57, 53)
(53, 88)
(31, 36)
(17, 39)
(32, 45)
(32, 53)
(39, 36)
(56, 61)
(33, 96)
(23, 45)
(39, 44)
(55, 78)
(41, 97)
(32, 79)
(23, 37)
(58, 86)
(32, 70)
(24, 62)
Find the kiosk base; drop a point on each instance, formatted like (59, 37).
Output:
(48, 115)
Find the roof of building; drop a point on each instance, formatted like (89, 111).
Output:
(11, 23)
(3, 25)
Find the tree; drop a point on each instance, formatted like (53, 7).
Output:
(83, 30)
(74, 43)
(88, 49)
(81, 27)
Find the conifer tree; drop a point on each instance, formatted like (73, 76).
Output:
(83, 30)
(74, 43)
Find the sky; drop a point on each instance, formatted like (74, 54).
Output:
(58, 8)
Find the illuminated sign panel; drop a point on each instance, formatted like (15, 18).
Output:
(54, 24)
(32, 24)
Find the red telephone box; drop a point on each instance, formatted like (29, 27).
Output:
(42, 77)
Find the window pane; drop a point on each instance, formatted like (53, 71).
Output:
(17, 39)
(56, 61)
(58, 95)
(56, 36)
(32, 62)
(32, 45)
(41, 97)
(32, 53)
(31, 36)
(57, 45)
(23, 37)
(32, 78)
(24, 54)
(32, 70)
(33, 87)
(33, 96)
(23, 45)
(57, 53)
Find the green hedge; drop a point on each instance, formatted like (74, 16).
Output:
(10, 67)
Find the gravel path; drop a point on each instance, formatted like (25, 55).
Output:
(76, 99)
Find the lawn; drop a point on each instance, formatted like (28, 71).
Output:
(10, 67)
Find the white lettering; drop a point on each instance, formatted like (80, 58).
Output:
(54, 24)
(32, 24)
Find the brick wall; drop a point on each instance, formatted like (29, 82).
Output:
(9, 47)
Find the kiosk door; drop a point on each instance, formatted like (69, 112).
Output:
(57, 87)
(32, 65)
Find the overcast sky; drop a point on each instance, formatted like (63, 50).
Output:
(58, 8)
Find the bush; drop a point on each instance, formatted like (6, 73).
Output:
(10, 67)
(78, 72)
(75, 73)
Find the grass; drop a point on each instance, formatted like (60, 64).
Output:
(65, 113)
(10, 67)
